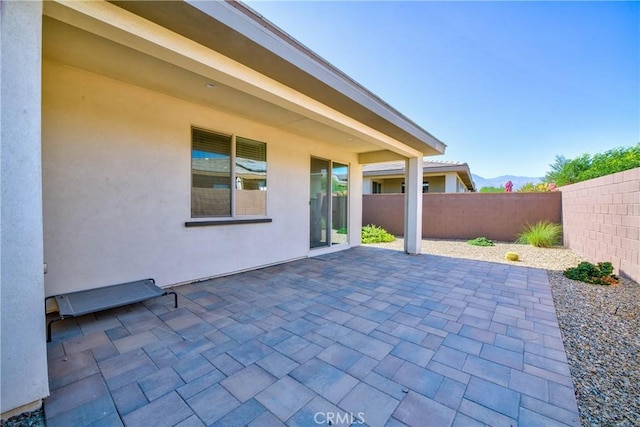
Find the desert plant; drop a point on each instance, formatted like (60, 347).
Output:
(375, 234)
(480, 241)
(542, 234)
(540, 187)
(599, 274)
(511, 256)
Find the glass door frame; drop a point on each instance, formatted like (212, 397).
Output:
(328, 204)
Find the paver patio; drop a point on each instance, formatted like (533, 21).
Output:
(366, 336)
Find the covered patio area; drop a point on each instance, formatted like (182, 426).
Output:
(365, 336)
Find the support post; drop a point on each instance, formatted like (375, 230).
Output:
(23, 361)
(413, 206)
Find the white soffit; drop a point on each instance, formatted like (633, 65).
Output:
(139, 34)
(233, 29)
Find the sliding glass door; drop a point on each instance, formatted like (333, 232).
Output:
(339, 203)
(329, 201)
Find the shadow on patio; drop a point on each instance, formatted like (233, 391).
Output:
(365, 336)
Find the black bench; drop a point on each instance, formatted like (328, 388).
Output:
(74, 304)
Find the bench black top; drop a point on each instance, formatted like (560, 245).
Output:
(91, 300)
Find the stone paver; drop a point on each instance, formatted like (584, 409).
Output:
(362, 336)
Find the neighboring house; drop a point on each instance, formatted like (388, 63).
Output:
(173, 140)
(438, 177)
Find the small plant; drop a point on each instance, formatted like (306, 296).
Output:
(543, 234)
(599, 274)
(342, 230)
(480, 241)
(511, 256)
(376, 234)
(542, 187)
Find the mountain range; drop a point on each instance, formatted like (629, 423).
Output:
(518, 181)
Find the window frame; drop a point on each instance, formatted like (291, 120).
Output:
(234, 217)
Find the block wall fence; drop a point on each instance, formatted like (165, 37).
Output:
(496, 216)
(601, 220)
(600, 217)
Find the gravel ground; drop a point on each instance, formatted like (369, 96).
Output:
(600, 327)
(28, 419)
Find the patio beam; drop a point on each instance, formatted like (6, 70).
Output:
(379, 156)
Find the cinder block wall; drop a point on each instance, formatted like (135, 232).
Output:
(497, 216)
(601, 220)
(384, 210)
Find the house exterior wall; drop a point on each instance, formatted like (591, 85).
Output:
(436, 184)
(22, 327)
(451, 182)
(497, 216)
(367, 185)
(392, 185)
(117, 185)
(601, 220)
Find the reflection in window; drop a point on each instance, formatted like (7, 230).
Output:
(210, 174)
(251, 177)
(328, 203)
(213, 169)
(339, 202)
(319, 203)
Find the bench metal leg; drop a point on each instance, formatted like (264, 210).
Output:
(49, 327)
(175, 298)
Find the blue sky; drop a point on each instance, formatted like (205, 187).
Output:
(506, 85)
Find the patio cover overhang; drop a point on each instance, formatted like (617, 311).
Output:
(178, 47)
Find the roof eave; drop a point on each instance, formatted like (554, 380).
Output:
(243, 35)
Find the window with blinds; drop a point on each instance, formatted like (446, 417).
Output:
(229, 175)
(251, 177)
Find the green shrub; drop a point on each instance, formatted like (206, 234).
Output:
(543, 234)
(492, 189)
(480, 241)
(375, 234)
(600, 274)
(569, 171)
(342, 230)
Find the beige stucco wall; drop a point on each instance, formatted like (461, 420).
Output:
(436, 183)
(116, 165)
(22, 325)
(394, 185)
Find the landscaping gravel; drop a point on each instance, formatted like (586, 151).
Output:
(600, 327)
(28, 419)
